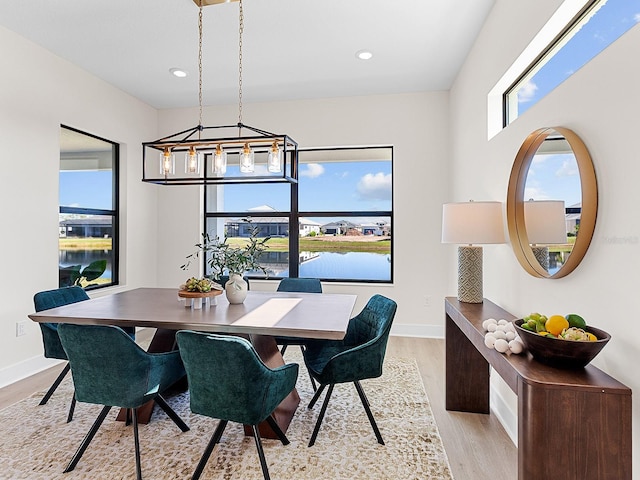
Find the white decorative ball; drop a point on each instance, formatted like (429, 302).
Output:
(501, 345)
(489, 340)
(516, 346)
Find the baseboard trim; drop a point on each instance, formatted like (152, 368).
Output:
(505, 415)
(421, 331)
(25, 369)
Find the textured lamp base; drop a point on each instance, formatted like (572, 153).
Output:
(470, 274)
(542, 256)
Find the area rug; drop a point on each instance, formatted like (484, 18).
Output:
(36, 443)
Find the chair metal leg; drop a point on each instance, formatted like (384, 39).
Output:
(316, 396)
(365, 404)
(127, 417)
(72, 407)
(263, 461)
(312, 441)
(277, 430)
(283, 349)
(313, 382)
(55, 384)
(87, 439)
(215, 438)
(162, 403)
(136, 441)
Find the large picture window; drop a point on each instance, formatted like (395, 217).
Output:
(88, 219)
(335, 224)
(597, 26)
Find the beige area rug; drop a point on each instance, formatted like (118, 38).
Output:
(36, 443)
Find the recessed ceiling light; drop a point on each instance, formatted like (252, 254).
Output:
(364, 54)
(178, 72)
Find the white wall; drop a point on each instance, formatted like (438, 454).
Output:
(600, 103)
(415, 124)
(38, 92)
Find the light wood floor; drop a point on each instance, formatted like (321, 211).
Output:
(477, 446)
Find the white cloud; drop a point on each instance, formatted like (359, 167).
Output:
(375, 186)
(312, 170)
(527, 92)
(636, 17)
(569, 168)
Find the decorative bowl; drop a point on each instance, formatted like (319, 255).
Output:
(561, 353)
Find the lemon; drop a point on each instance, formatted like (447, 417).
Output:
(555, 324)
(592, 337)
(576, 320)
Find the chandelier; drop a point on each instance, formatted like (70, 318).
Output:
(224, 154)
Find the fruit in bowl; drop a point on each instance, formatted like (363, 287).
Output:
(561, 341)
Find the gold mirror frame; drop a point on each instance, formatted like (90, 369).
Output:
(515, 202)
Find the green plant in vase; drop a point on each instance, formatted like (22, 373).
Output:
(224, 258)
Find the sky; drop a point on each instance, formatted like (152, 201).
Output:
(612, 20)
(554, 177)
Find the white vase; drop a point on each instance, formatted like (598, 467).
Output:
(236, 289)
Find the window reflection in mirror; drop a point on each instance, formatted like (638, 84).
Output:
(553, 202)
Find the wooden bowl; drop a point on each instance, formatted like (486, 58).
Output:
(562, 353)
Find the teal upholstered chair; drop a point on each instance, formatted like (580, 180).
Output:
(228, 381)
(110, 369)
(304, 285)
(358, 356)
(52, 346)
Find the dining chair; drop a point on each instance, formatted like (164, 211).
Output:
(229, 381)
(358, 356)
(110, 369)
(304, 285)
(46, 300)
(52, 347)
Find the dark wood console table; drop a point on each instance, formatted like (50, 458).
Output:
(572, 424)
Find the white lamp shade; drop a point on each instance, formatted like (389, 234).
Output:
(545, 222)
(472, 223)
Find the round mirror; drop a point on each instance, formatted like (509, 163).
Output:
(552, 202)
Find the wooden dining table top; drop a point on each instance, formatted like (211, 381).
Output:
(304, 315)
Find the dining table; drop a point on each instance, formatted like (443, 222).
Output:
(261, 317)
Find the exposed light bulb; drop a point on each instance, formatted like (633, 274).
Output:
(247, 162)
(219, 161)
(192, 161)
(274, 163)
(167, 162)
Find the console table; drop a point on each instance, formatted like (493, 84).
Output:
(572, 424)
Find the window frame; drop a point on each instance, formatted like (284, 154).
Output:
(295, 214)
(113, 213)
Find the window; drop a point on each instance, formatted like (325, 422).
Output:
(597, 26)
(88, 219)
(335, 224)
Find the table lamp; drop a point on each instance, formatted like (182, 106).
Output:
(471, 223)
(545, 221)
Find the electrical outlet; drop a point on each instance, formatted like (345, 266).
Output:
(427, 301)
(21, 329)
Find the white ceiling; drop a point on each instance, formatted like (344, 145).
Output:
(292, 49)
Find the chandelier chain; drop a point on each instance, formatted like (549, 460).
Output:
(241, 30)
(200, 65)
